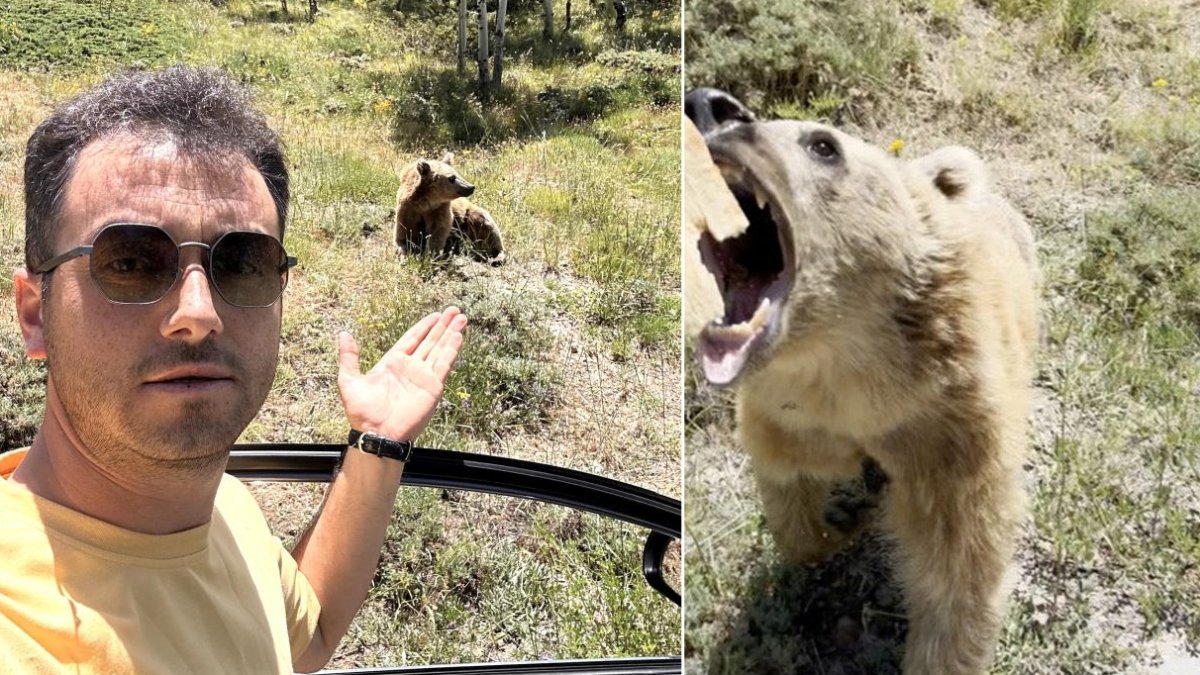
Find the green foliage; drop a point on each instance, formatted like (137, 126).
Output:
(636, 311)
(1163, 142)
(503, 379)
(650, 62)
(1078, 29)
(333, 174)
(774, 52)
(1072, 22)
(440, 594)
(77, 34)
(1142, 269)
(1021, 9)
(21, 385)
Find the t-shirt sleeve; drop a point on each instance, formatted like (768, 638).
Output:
(300, 602)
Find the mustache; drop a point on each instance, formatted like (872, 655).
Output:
(184, 354)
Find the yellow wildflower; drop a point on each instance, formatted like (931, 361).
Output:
(896, 146)
(382, 105)
(463, 395)
(149, 28)
(1160, 83)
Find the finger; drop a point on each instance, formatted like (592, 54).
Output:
(347, 355)
(447, 353)
(449, 346)
(434, 336)
(457, 325)
(408, 342)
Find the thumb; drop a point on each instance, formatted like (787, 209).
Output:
(347, 355)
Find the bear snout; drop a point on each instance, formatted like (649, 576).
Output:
(711, 109)
(465, 189)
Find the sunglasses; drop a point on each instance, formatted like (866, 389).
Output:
(139, 264)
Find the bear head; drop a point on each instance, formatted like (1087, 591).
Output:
(837, 229)
(440, 182)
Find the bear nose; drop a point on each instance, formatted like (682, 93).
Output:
(710, 109)
(467, 189)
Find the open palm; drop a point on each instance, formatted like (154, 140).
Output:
(396, 398)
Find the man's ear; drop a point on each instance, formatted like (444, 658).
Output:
(28, 290)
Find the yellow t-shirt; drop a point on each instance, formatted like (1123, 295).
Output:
(81, 596)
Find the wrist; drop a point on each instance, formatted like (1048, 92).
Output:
(379, 445)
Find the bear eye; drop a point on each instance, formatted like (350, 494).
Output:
(823, 147)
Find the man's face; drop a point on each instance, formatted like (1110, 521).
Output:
(173, 383)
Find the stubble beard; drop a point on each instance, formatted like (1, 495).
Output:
(191, 440)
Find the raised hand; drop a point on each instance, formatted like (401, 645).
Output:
(396, 398)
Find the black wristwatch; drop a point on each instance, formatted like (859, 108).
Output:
(380, 446)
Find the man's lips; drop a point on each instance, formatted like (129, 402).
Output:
(191, 376)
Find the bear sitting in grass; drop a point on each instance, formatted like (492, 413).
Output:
(434, 215)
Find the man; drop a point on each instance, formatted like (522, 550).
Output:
(155, 208)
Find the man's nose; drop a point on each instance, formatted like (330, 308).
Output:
(194, 316)
(710, 109)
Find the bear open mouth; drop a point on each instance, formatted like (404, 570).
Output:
(754, 271)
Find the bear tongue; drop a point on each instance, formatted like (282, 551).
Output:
(724, 349)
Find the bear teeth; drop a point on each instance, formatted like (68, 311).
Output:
(760, 197)
(760, 314)
(751, 326)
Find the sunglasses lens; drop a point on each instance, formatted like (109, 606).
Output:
(249, 269)
(134, 263)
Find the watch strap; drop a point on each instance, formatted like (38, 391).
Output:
(379, 446)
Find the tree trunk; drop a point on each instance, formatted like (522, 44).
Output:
(312, 10)
(462, 36)
(619, 5)
(567, 26)
(483, 49)
(547, 18)
(498, 60)
(284, 5)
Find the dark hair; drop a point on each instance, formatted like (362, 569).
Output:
(206, 113)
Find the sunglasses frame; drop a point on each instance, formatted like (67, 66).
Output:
(86, 249)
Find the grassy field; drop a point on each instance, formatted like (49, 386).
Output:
(573, 353)
(1088, 112)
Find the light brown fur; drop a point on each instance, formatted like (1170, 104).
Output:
(907, 338)
(478, 231)
(433, 214)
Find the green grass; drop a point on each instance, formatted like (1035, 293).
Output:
(800, 59)
(72, 36)
(572, 344)
(552, 567)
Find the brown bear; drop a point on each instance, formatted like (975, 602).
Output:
(434, 215)
(875, 316)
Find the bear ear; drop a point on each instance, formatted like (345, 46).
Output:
(423, 167)
(448, 158)
(954, 171)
